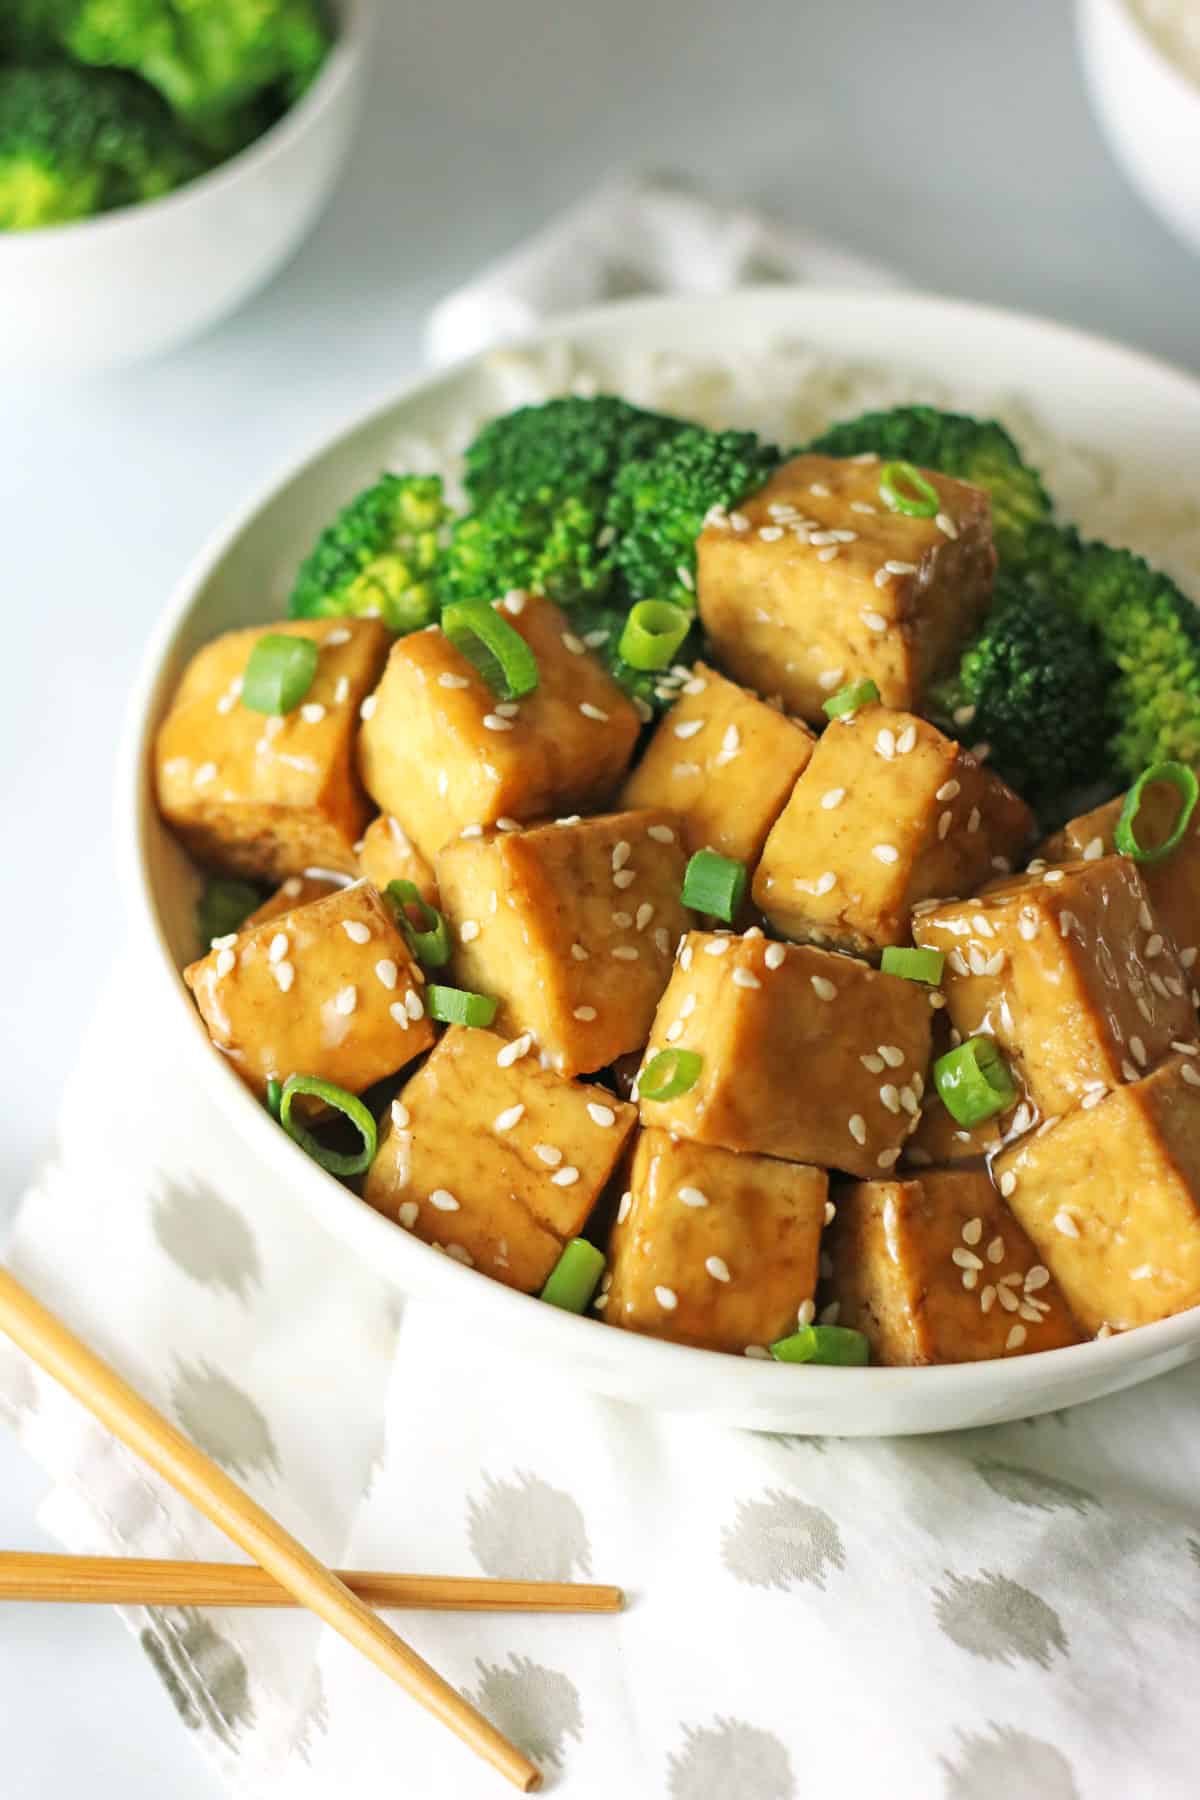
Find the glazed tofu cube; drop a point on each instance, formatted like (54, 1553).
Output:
(711, 1248)
(261, 795)
(387, 853)
(1173, 884)
(1057, 968)
(724, 762)
(1111, 1197)
(328, 989)
(936, 1270)
(440, 751)
(572, 926)
(814, 582)
(940, 1139)
(887, 813)
(495, 1160)
(297, 890)
(804, 1055)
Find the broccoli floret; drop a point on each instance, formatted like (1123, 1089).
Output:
(381, 556)
(1040, 687)
(74, 142)
(208, 58)
(542, 541)
(976, 450)
(568, 446)
(1149, 632)
(658, 505)
(27, 31)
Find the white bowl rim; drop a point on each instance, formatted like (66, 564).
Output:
(1134, 30)
(737, 1384)
(354, 25)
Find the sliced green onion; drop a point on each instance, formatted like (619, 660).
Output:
(714, 884)
(914, 965)
(459, 1006)
(575, 1276)
(350, 1108)
(500, 654)
(832, 1344)
(274, 1097)
(653, 633)
(430, 941)
(1182, 779)
(974, 1081)
(279, 673)
(849, 699)
(669, 1074)
(224, 906)
(920, 501)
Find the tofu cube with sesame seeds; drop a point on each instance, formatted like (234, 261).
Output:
(262, 795)
(328, 989)
(387, 853)
(711, 1248)
(297, 890)
(1110, 1195)
(1172, 884)
(935, 1269)
(814, 582)
(805, 1055)
(495, 1160)
(724, 762)
(888, 812)
(439, 750)
(1057, 968)
(572, 926)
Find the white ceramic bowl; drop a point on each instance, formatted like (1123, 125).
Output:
(129, 284)
(1095, 392)
(1148, 110)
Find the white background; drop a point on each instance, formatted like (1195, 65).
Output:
(947, 137)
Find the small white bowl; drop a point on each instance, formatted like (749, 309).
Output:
(129, 284)
(1148, 109)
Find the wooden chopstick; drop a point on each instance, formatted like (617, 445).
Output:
(49, 1343)
(141, 1581)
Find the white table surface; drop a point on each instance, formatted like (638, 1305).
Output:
(947, 137)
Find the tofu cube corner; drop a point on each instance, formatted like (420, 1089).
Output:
(572, 926)
(328, 989)
(935, 1269)
(712, 1248)
(814, 582)
(888, 812)
(805, 1055)
(439, 751)
(495, 1160)
(264, 795)
(387, 853)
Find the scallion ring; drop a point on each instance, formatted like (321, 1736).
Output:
(459, 1006)
(348, 1105)
(903, 489)
(653, 633)
(575, 1276)
(715, 885)
(279, 673)
(974, 1081)
(488, 641)
(848, 699)
(429, 941)
(914, 965)
(669, 1074)
(835, 1345)
(1183, 780)
(274, 1097)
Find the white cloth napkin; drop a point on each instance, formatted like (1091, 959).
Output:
(1008, 1614)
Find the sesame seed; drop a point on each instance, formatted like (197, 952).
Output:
(862, 506)
(284, 975)
(684, 577)
(963, 715)
(946, 525)
(1187, 957)
(965, 1259)
(622, 920)
(807, 1313)
(718, 1268)
(885, 853)
(621, 854)
(900, 568)
(1093, 850)
(731, 743)
(566, 1177)
(746, 978)
(874, 621)
(822, 987)
(512, 1115)
(770, 534)
(387, 971)
(624, 878)
(685, 955)
(625, 1206)
(717, 947)
(645, 913)
(355, 930)
(970, 1277)
(688, 1007)
(667, 1298)
(231, 937)
(624, 952)
(972, 1231)
(995, 1250)
(407, 1215)
(829, 554)
(873, 1064)
(367, 709)
(345, 1000)
(585, 1014)
(1008, 1184)
(593, 712)
(443, 1200)
(549, 1154)
(885, 743)
(890, 1097)
(278, 947)
(858, 1128)
(226, 703)
(225, 961)
(774, 955)
(1183, 1049)
(975, 820)
(1154, 945)
(468, 931)
(1051, 876)
(1007, 1298)
(892, 1055)
(1139, 1051)
(1189, 1075)
(949, 790)
(944, 824)
(204, 774)
(514, 601)
(399, 1012)
(833, 797)
(312, 712)
(1015, 1338)
(674, 1032)
(687, 728)
(906, 741)
(987, 1298)
(507, 824)
(575, 645)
